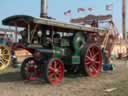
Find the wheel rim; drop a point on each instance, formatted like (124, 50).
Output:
(5, 57)
(55, 71)
(93, 61)
(31, 70)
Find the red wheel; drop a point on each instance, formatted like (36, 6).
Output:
(91, 60)
(29, 69)
(54, 71)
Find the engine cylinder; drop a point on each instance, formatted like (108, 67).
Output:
(78, 42)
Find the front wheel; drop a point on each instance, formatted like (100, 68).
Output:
(91, 60)
(54, 71)
(29, 69)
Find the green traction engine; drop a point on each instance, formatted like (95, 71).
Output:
(57, 48)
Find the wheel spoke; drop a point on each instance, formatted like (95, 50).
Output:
(56, 76)
(59, 67)
(55, 64)
(93, 69)
(90, 53)
(88, 62)
(97, 62)
(51, 69)
(51, 76)
(95, 55)
(89, 58)
(4, 51)
(5, 54)
(2, 61)
(95, 66)
(5, 57)
(27, 64)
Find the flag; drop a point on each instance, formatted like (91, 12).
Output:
(80, 10)
(109, 7)
(91, 9)
(67, 13)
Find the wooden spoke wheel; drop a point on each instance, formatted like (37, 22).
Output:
(5, 56)
(91, 60)
(54, 71)
(29, 69)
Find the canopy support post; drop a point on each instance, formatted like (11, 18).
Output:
(16, 33)
(28, 32)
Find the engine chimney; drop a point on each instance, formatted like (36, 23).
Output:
(44, 8)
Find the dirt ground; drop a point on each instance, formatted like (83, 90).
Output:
(11, 83)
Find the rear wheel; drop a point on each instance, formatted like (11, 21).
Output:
(29, 69)
(54, 71)
(91, 60)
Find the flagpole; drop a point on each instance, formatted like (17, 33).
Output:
(124, 19)
(112, 8)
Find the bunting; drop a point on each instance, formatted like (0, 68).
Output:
(80, 10)
(109, 7)
(67, 13)
(90, 9)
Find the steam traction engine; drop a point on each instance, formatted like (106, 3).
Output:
(57, 47)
